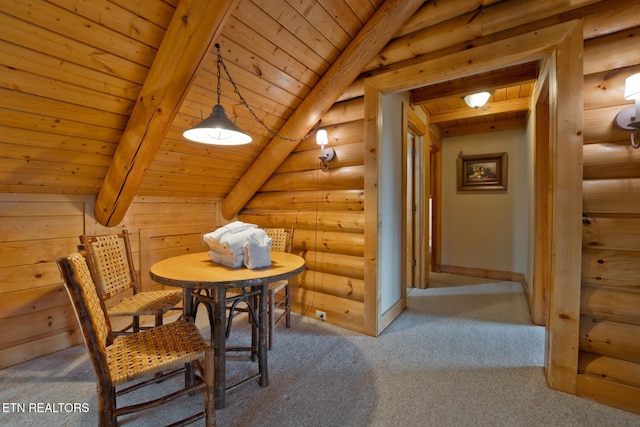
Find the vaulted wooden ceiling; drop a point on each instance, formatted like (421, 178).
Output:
(96, 94)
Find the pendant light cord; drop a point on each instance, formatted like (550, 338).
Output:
(244, 102)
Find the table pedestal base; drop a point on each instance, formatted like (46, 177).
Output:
(216, 308)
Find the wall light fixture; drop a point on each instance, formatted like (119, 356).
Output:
(629, 118)
(326, 154)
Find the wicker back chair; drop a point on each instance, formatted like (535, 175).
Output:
(278, 295)
(278, 301)
(126, 361)
(111, 266)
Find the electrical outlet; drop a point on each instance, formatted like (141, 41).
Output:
(321, 315)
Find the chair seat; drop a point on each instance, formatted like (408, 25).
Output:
(165, 347)
(278, 286)
(146, 303)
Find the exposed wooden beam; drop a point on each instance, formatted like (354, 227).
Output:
(511, 105)
(189, 38)
(375, 34)
(511, 76)
(474, 129)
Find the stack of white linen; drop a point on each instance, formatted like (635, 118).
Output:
(227, 244)
(257, 250)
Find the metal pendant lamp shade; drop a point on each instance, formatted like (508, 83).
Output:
(217, 129)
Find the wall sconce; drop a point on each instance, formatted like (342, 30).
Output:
(629, 118)
(477, 100)
(326, 154)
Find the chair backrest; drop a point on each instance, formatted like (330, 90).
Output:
(282, 238)
(110, 262)
(88, 307)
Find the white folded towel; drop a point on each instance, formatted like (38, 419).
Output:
(226, 259)
(232, 227)
(237, 243)
(257, 256)
(258, 237)
(233, 242)
(216, 240)
(257, 250)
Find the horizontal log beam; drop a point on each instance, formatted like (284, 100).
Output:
(331, 284)
(512, 105)
(336, 200)
(451, 129)
(609, 368)
(610, 161)
(352, 222)
(345, 155)
(610, 303)
(329, 241)
(341, 265)
(342, 133)
(344, 178)
(611, 232)
(342, 112)
(610, 339)
(611, 196)
(610, 267)
(510, 76)
(600, 125)
(340, 311)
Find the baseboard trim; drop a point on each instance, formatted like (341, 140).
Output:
(484, 272)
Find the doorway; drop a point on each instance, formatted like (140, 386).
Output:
(562, 46)
(417, 212)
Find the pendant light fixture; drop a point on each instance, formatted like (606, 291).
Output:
(217, 129)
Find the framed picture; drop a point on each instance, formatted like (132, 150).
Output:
(482, 172)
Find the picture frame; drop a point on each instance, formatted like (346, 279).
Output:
(482, 172)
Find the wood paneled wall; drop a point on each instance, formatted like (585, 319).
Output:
(36, 317)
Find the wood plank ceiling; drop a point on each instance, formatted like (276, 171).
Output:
(507, 108)
(73, 71)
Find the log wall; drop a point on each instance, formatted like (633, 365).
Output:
(327, 210)
(609, 370)
(609, 358)
(36, 317)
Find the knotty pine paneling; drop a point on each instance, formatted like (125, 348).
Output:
(36, 317)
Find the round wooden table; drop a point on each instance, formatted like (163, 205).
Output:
(196, 271)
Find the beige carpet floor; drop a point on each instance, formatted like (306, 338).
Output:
(464, 353)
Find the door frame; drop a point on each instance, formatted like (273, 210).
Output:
(562, 46)
(414, 125)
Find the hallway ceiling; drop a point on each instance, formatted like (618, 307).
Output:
(507, 107)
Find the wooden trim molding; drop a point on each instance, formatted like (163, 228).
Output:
(562, 44)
